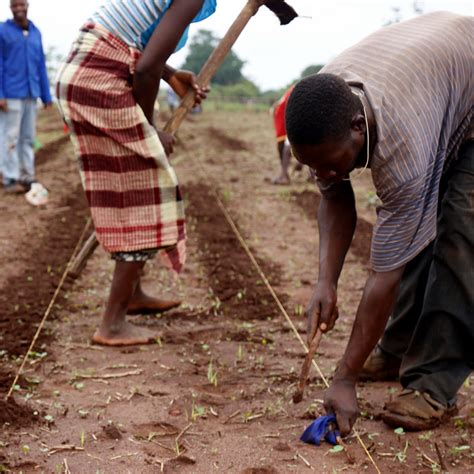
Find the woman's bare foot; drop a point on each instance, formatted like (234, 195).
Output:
(151, 306)
(125, 335)
(141, 303)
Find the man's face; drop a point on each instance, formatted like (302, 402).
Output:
(332, 160)
(19, 9)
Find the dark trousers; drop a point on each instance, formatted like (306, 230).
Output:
(432, 326)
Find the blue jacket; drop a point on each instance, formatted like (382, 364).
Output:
(23, 72)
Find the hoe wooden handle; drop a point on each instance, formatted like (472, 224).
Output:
(80, 260)
(313, 347)
(214, 62)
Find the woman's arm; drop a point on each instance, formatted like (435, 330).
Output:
(151, 66)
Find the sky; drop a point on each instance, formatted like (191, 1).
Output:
(274, 55)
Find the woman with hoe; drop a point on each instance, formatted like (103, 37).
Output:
(107, 90)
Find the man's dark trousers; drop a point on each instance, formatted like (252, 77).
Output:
(432, 326)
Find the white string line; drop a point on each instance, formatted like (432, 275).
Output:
(268, 285)
(48, 310)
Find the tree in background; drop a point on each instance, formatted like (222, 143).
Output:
(229, 83)
(396, 12)
(201, 47)
(244, 89)
(310, 70)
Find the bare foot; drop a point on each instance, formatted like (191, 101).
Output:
(281, 180)
(127, 335)
(144, 304)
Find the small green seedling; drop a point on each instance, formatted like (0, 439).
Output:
(49, 419)
(299, 310)
(425, 436)
(241, 294)
(240, 353)
(459, 449)
(212, 374)
(197, 412)
(227, 195)
(78, 385)
(401, 456)
(37, 355)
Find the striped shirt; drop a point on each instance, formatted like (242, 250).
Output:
(417, 78)
(134, 21)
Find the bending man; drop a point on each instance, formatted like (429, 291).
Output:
(401, 103)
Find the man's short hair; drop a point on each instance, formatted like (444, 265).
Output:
(320, 108)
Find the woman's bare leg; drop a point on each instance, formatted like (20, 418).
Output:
(114, 330)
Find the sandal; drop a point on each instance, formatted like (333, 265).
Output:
(380, 366)
(415, 411)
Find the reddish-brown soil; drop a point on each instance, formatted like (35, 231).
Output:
(215, 393)
(25, 296)
(229, 272)
(308, 200)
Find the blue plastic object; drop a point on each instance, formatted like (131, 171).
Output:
(319, 429)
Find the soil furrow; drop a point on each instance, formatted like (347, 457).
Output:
(309, 200)
(43, 243)
(232, 277)
(50, 152)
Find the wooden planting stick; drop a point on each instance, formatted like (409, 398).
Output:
(349, 456)
(313, 347)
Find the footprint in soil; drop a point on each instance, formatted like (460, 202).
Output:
(282, 447)
(111, 431)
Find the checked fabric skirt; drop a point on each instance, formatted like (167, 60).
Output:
(131, 188)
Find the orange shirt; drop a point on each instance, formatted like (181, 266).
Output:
(279, 116)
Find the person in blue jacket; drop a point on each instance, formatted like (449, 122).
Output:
(23, 79)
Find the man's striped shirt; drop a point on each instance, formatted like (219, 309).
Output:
(417, 78)
(133, 21)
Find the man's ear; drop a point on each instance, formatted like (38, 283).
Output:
(358, 123)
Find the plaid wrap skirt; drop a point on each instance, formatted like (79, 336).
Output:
(131, 188)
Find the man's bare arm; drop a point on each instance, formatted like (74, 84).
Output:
(377, 302)
(336, 219)
(151, 65)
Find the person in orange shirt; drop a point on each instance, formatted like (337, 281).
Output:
(284, 150)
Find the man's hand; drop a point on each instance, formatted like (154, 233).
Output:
(181, 81)
(3, 105)
(167, 140)
(322, 310)
(340, 399)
